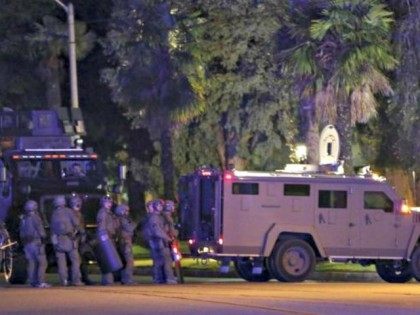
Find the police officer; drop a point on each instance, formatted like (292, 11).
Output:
(158, 239)
(32, 234)
(75, 204)
(167, 213)
(169, 226)
(125, 231)
(64, 230)
(106, 224)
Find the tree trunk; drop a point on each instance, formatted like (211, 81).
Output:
(312, 141)
(221, 151)
(345, 132)
(50, 73)
(136, 198)
(231, 144)
(167, 164)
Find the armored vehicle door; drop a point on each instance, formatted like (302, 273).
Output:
(383, 231)
(200, 206)
(333, 219)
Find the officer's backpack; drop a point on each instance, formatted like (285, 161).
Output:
(27, 229)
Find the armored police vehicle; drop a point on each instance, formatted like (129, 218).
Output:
(277, 224)
(280, 224)
(42, 157)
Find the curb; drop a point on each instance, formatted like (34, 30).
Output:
(327, 276)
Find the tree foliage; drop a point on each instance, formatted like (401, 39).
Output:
(341, 58)
(248, 116)
(181, 83)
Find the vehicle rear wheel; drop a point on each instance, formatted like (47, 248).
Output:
(394, 271)
(244, 265)
(415, 263)
(17, 273)
(292, 260)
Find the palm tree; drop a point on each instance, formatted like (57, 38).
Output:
(339, 59)
(50, 43)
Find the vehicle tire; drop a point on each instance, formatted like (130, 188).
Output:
(17, 274)
(415, 263)
(243, 267)
(271, 266)
(394, 271)
(292, 260)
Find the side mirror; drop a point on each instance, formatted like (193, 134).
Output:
(122, 172)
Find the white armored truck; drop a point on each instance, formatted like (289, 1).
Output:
(280, 224)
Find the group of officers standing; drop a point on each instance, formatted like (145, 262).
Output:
(70, 240)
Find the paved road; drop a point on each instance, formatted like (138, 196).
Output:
(221, 296)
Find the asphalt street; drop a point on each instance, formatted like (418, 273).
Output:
(216, 296)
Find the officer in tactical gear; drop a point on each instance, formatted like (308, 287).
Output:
(32, 234)
(64, 230)
(158, 240)
(169, 226)
(125, 231)
(167, 213)
(106, 224)
(75, 204)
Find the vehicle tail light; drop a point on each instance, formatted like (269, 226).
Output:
(228, 176)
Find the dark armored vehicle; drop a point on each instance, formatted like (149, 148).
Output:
(41, 157)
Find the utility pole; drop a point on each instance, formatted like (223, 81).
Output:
(74, 96)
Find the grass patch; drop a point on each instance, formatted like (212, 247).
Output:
(142, 259)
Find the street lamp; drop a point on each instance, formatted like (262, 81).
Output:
(74, 96)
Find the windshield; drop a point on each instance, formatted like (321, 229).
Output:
(56, 169)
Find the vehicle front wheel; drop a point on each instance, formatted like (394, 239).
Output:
(398, 271)
(292, 260)
(415, 263)
(244, 265)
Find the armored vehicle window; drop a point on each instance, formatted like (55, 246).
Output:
(332, 199)
(377, 200)
(296, 190)
(245, 189)
(40, 169)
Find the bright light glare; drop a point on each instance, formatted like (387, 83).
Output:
(301, 152)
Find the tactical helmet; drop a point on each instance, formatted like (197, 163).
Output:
(121, 209)
(158, 205)
(105, 199)
(75, 201)
(169, 206)
(60, 201)
(30, 205)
